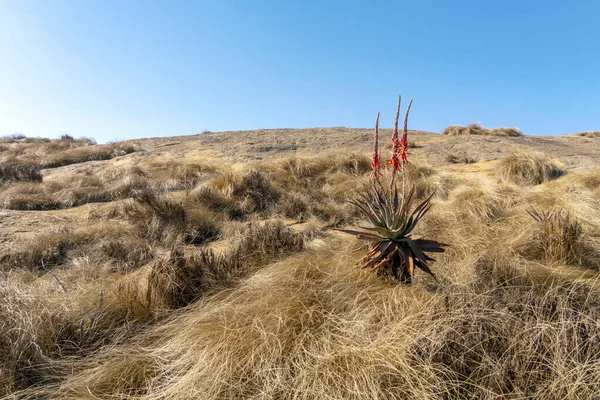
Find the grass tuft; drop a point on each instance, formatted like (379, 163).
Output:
(477, 129)
(527, 169)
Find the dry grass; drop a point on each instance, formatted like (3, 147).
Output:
(477, 129)
(56, 153)
(194, 289)
(527, 168)
(590, 134)
(14, 173)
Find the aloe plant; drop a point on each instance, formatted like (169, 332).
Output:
(394, 250)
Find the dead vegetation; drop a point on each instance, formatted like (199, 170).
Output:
(477, 129)
(590, 134)
(212, 280)
(15, 173)
(528, 168)
(47, 153)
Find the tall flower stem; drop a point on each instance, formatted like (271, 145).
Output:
(376, 160)
(404, 147)
(395, 146)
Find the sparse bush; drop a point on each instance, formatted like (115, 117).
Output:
(527, 169)
(477, 129)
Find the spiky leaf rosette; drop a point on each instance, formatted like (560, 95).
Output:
(394, 250)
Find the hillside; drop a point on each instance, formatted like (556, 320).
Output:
(207, 266)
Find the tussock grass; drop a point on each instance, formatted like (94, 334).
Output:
(527, 169)
(177, 280)
(205, 295)
(56, 153)
(15, 173)
(299, 328)
(255, 192)
(558, 238)
(53, 248)
(163, 221)
(477, 129)
(105, 186)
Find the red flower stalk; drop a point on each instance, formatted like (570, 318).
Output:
(396, 145)
(403, 142)
(376, 162)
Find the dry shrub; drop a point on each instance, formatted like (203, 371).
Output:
(477, 129)
(527, 168)
(176, 280)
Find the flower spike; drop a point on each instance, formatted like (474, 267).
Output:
(376, 162)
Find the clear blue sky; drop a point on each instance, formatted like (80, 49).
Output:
(127, 69)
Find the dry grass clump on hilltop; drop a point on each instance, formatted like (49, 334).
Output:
(477, 129)
(590, 134)
(47, 153)
(201, 278)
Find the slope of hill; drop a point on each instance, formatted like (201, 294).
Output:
(205, 267)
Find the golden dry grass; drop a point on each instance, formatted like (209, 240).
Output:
(528, 168)
(215, 280)
(590, 134)
(477, 129)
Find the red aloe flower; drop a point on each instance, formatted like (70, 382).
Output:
(403, 142)
(376, 162)
(396, 145)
